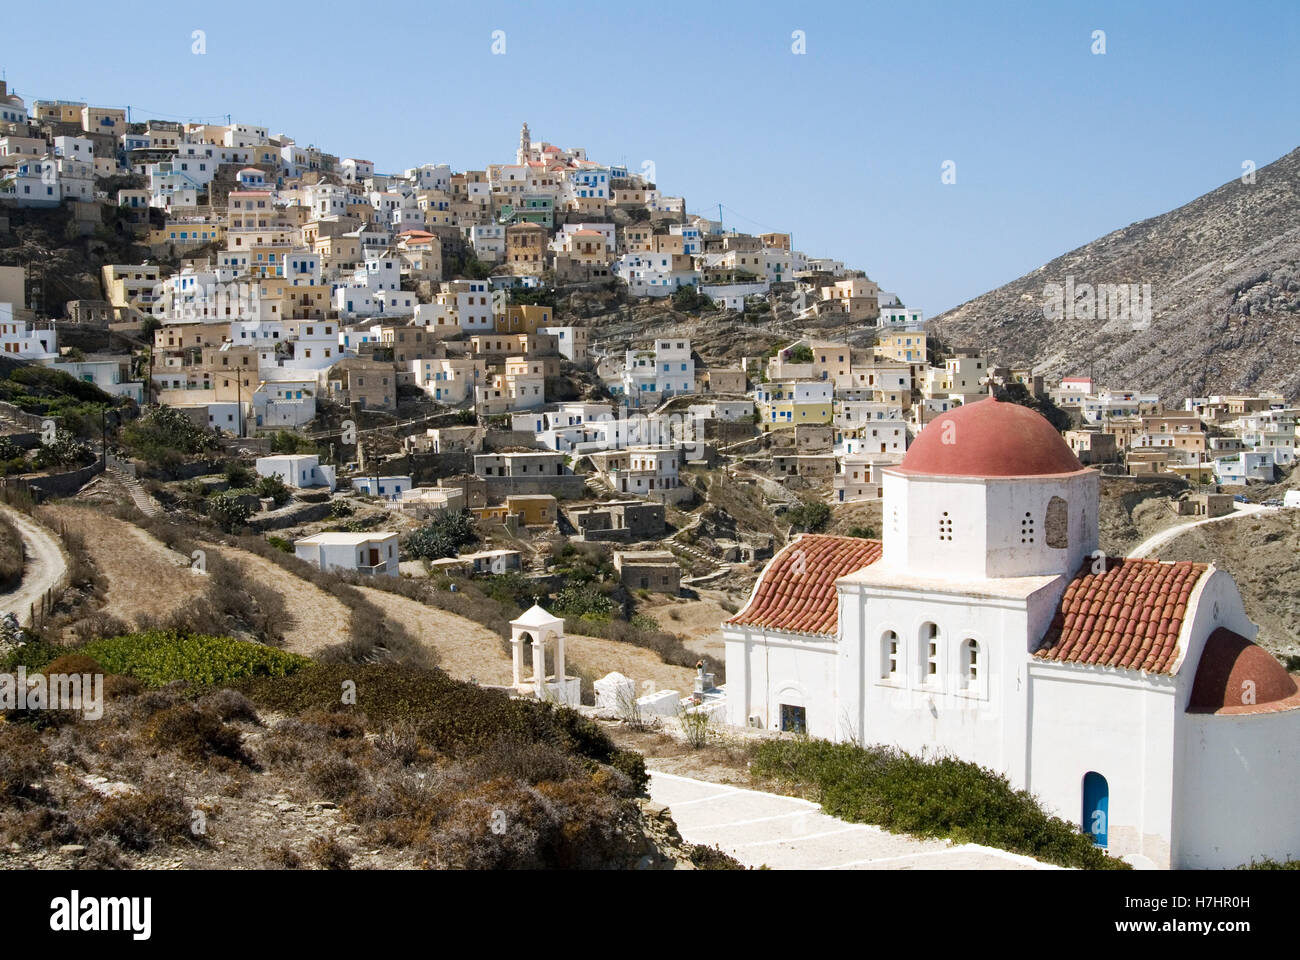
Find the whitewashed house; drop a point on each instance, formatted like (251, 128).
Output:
(372, 554)
(300, 470)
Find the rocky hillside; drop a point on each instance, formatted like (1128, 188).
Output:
(1224, 272)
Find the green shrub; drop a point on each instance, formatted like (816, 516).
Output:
(442, 537)
(64, 450)
(280, 543)
(238, 475)
(583, 600)
(158, 657)
(163, 433)
(228, 512)
(1270, 864)
(941, 798)
(811, 516)
(272, 487)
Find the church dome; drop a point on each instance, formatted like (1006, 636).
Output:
(1237, 676)
(990, 438)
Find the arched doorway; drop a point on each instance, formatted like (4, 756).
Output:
(1096, 807)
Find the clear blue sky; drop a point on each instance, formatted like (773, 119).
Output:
(842, 146)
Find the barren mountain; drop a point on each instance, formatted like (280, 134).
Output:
(1224, 275)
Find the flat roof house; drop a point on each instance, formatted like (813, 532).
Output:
(374, 554)
(297, 470)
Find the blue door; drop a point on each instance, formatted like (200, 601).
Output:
(1096, 807)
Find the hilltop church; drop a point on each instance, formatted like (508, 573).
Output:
(1127, 694)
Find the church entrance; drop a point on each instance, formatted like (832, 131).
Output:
(1096, 806)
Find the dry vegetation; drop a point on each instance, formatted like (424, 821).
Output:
(11, 555)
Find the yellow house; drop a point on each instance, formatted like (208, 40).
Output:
(534, 510)
(58, 111)
(522, 318)
(906, 347)
(103, 120)
(788, 414)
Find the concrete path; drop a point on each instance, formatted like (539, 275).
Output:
(1158, 540)
(786, 833)
(44, 566)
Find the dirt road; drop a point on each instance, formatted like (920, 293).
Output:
(44, 566)
(1155, 541)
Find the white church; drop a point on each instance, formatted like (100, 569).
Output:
(1128, 695)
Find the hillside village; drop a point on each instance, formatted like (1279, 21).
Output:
(491, 412)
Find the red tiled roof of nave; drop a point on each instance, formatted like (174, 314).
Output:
(1129, 616)
(796, 593)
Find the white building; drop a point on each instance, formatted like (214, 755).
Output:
(1126, 694)
(296, 470)
(650, 376)
(26, 339)
(386, 488)
(374, 554)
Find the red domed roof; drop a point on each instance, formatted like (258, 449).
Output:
(1237, 676)
(990, 438)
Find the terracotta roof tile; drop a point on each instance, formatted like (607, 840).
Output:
(1128, 616)
(796, 592)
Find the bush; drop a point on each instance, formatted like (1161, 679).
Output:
(159, 657)
(443, 537)
(457, 719)
(328, 854)
(800, 353)
(286, 441)
(272, 487)
(584, 600)
(24, 760)
(811, 516)
(943, 798)
(195, 733)
(71, 663)
(228, 511)
(238, 475)
(138, 820)
(64, 450)
(163, 433)
(866, 533)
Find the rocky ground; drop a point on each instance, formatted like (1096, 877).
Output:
(1263, 555)
(1224, 272)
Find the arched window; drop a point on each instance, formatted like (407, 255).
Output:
(891, 652)
(930, 653)
(971, 665)
(1056, 524)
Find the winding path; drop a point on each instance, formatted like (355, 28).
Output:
(1157, 540)
(44, 566)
